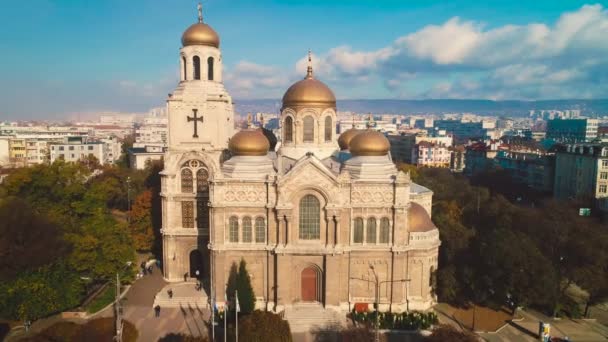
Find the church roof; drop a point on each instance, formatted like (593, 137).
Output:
(418, 219)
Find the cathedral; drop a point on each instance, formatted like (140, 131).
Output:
(320, 218)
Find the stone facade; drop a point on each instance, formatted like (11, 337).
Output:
(311, 227)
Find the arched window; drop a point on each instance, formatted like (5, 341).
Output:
(260, 230)
(184, 63)
(187, 180)
(385, 228)
(233, 226)
(310, 218)
(246, 229)
(328, 128)
(371, 230)
(202, 180)
(210, 68)
(309, 129)
(358, 231)
(196, 61)
(288, 127)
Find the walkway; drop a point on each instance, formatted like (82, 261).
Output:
(138, 309)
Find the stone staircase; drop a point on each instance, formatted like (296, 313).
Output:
(184, 296)
(313, 317)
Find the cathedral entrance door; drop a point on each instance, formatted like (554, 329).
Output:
(196, 263)
(309, 284)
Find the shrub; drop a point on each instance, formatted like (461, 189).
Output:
(449, 333)
(100, 329)
(400, 321)
(262, 326)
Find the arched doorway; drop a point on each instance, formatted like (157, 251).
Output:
(310, 284)
(196, 263)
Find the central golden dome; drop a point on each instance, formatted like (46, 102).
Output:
(369, 143)
(200, 34)
(249, 142)
(309, 92)
(346, 137)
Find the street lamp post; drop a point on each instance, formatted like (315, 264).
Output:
(129, 199)
(378, 283)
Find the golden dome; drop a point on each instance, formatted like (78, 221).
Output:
(369, 143)
(418, 219)
(346, 137)
(200, 34)
(309, 92)
(249, 142)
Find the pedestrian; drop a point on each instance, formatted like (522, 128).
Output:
(170, 293)
(157, 310)
(185, 277)
(145, 270)
(150, 269)
(197, 274)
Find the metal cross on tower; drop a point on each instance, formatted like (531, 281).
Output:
(196, 120)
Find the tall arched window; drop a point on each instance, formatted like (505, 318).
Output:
(310, 218)
(187, 214)
(184, 63)
(187, 180)
(371, 230)
(288, 128)
(358, 231)
(385, 228)
(202, 181)
(233, 227)
(328, 128)
(210, 68)
(196, 61)
(309, 129)
(260, 230)
(246, 229)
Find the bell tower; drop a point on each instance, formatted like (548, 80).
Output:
(200, 109)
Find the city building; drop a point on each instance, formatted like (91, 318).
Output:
(581, 170)
(314, 230)
(73, 149)
(463, 131)
(572, 130)
(535, 169)
(431, 154)
(141, 157)
(479, 157)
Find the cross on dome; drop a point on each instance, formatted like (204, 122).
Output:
(200, 12)
(309, 69)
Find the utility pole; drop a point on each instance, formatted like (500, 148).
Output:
(118, 337)
(129, 199)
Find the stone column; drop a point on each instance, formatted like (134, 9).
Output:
(337, 232)
(280, 229)
(288, 238)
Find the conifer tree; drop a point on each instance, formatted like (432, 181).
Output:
(246, 295)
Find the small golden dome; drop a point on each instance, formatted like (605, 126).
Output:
(418, 219)
(346, 137)
(200, 34)
(309, 92)
(249, 142)
(369, 143)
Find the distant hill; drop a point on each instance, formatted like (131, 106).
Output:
(481, 107)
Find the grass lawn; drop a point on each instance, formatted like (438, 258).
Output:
(102, 300)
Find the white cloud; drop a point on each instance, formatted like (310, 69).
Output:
(464, 59)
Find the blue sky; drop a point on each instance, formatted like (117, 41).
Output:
(63, 57)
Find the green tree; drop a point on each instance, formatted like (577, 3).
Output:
(28, 240)
(40, 292)
(245, 290)
(262, 326)
(232, 284)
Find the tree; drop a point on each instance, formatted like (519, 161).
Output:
(99, 329)
(448, 333)
(231, 286)
(28, 240)
(101, 247)
(140, 226)
(245, 290)
(37, 293)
